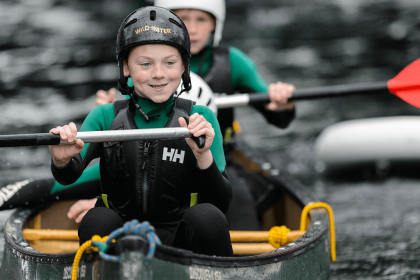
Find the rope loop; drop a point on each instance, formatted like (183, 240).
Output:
(304, 223)
(101, 245)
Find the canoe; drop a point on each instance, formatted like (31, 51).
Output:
(377, 145)
(279, 201)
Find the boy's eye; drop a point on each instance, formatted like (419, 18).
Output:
(170, 63)
(146, 64)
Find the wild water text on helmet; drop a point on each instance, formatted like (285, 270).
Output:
(153, 28)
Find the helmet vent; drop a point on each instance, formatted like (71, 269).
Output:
(130, 23)
(152, 15)
(175, 22)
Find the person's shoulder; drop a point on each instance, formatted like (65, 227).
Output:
(105, 108)
(240, 59)
(202, 110)
(206, 112)
(101, 113)
(238, 54)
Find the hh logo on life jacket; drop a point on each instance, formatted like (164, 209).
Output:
(173, 155)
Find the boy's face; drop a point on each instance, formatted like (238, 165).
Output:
(155, 69)
(199, 24)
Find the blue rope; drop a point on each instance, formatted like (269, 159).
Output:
(144, 229)
(107, 257)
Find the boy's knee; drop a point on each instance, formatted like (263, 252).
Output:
(205, 230)
(205, 217)
(98, 221)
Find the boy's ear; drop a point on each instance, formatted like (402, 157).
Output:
(125, 68)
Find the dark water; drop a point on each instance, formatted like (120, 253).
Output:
(54, 55)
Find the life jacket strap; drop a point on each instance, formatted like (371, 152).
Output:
(193, 199)
(105, 200)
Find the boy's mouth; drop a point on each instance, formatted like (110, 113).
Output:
(158, 86)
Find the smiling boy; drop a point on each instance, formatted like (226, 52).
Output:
(135, 176)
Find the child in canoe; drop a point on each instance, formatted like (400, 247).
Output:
(226, 70)
(153, 180)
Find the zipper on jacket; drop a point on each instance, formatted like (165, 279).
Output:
(145, 165)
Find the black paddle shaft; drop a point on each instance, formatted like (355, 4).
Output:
(329, 91)
(22, 140)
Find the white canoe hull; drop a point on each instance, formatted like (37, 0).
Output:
(380, 141)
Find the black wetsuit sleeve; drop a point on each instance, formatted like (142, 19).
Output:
(281, 119)
(213, 186)
(69, 173)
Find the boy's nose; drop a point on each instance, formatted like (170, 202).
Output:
(191, 27)
(158, 72)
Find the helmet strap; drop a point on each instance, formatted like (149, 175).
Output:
(122, 81)
(186, 79)
(135, 103)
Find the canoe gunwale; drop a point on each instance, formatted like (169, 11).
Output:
(310, 239)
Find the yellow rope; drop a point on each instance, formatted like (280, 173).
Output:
(79, 253)
(303, 223)
(277, 236)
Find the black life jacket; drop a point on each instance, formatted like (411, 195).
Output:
(219, 79)
(145, 179)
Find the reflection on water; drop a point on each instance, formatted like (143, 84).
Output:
(55, 54)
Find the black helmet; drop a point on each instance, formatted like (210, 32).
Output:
(153, 25)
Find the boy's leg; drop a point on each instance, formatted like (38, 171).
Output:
(204, 230)
(98, 221)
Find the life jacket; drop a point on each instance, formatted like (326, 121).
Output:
(145, 179)
(219, 79)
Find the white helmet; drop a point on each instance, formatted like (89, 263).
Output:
(200, 92)
(215, 7)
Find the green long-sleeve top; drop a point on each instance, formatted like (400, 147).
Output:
(243, 72)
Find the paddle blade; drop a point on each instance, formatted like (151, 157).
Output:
(406, 85)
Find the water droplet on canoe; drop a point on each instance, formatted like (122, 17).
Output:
(57, 197)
